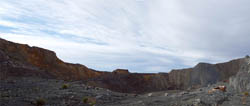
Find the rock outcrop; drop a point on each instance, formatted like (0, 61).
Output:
(241, 82)
(44, 59)
(23, 60)
(121, 71)
(133, 82)
(204, 74)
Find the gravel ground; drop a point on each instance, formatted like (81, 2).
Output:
(30, 91)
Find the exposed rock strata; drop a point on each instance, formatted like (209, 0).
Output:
(241, 82)
(23, 60)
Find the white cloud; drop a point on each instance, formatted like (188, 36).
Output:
(141, 35)
(8, 24)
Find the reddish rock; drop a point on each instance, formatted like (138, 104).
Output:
(23, 60)
(121, 71)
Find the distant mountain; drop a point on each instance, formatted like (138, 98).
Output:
(20, 60)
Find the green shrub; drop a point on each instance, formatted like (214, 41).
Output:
(65, 86)
(40, 102)
(89, 100)
(85, 100)
(245, 93)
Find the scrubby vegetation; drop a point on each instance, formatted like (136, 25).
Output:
(85, 100)
(65, 86)
(245, 93)
(89, 100)
(40, 102)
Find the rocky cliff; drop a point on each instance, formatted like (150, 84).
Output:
(23, 60)
(132, 82)
(204, 74)
(43, 59)
(241, 82)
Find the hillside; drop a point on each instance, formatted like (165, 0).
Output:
(34, 76)
(23, 60)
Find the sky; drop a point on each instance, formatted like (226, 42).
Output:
(144, 36)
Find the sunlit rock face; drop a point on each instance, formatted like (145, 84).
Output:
(45, 60)
(241, 82)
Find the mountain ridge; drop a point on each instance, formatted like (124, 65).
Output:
(43, 62)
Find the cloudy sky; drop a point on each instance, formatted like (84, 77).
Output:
(140, 35)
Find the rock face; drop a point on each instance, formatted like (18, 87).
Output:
(204, 74)
(133, 82)
(44, 59)
(241, 82)
(23, 60)
(121, 71)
